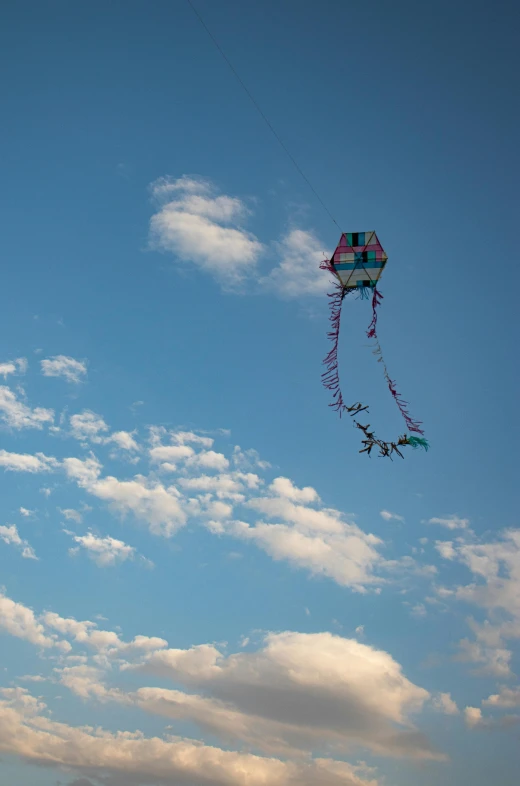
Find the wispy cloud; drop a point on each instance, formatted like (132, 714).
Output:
(18, 415)
(388, 516)
(10, 535)
(298, 273)
(450, 522)
(72, 370)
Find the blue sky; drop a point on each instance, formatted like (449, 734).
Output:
(202, 581)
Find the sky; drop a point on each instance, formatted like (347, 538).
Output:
(202, 581)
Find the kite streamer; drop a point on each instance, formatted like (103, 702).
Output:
(357, 265)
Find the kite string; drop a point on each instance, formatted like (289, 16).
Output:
(262, 114)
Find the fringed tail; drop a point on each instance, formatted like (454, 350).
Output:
(412, 424)
(331, 380)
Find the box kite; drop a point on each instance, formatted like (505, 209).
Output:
(357, 264)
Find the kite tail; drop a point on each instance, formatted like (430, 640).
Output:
(330, 377)
(413, 425)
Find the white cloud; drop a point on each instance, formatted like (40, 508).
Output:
(446, 549)
(249, 459)
(62, 366)
(388, 516)
(18, 415)
(199, 226)
(18, 366)
(158, 506)
(124, 440)
(445, 704)
(183, 437)
(83, 471)
(495, 567)
(298, 272)
(316, 539)
(26, 513)
(473, 716)
(28, 733)
(209, 459)
(299, 692)
(10, 535)
(19, 621)
(171, 454)
(450, 522)
(87, 425)
(105, 551)
(25, 462)
(283, 487)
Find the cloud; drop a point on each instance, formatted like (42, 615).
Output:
(472, 716)
(18, 366)
(84, 471)
(30, 734)
(450, 522)
(88, 426)
(298, 272)
(171, 454)
(388, 516)
(300, 691)
(124, 440)
(159, 506)
(19, 621)
(105, 551)
(495, 566)
(26, 513)
(25, 462)
(317, 539)
(445, 704)
(18, 415)
(72, 515)
(10, 535)
(209, 459)
(206, 229)
(62, 366)
(507, 698)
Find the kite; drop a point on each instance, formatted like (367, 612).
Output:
(357, 264)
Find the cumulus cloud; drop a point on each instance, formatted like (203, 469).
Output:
(298, 271)
(18, 415)
(199, 226)
(11, 536)
(124, 440)
(299, 691)
(105, 551)
(25, 462)
(72, 370)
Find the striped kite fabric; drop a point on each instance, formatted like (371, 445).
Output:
(359, 260)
